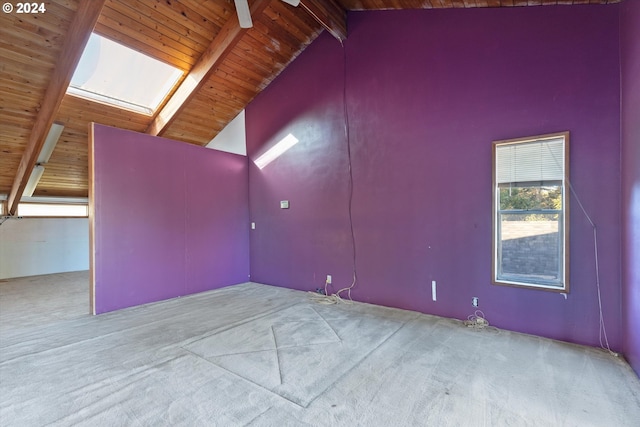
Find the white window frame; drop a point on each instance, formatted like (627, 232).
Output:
(559, 168)
(111, 73)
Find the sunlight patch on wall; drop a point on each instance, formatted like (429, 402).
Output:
(276, 151)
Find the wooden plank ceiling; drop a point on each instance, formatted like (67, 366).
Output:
(178, 32)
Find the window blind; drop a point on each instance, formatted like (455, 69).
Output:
(536, 161)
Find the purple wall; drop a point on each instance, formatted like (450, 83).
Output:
(630, 71)
(170, 219)
(428, 91)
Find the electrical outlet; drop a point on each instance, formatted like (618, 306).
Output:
(328, 279)
(474, 301)
(253, 225)
(433, 290)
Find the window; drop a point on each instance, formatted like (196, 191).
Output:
(116, 75)
(52, 210)
(530, 212)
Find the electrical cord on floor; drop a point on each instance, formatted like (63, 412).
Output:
(476, 320)
(602, 335)
(604, 344)
(336, 297)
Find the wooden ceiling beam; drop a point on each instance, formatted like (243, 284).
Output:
(77, 36)
(329, 14)
(213, 56)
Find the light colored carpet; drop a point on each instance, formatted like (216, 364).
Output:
(264, 356)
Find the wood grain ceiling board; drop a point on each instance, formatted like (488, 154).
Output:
(29, 48)
(277, 38)
(175, 32)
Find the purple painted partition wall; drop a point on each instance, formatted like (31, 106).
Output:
(428, 91)
(170, 219)
(630, 64)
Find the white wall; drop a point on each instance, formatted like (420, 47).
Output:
(233, 138)
(33, 246)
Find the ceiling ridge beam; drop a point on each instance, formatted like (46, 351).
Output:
(229, 35)
(329, 14)
(76, 39)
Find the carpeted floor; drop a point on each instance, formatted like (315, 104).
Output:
(265, 356)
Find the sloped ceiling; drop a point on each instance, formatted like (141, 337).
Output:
(230, 65)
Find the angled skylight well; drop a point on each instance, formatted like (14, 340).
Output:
(114, 74)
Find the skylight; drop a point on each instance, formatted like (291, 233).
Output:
(113, 74)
